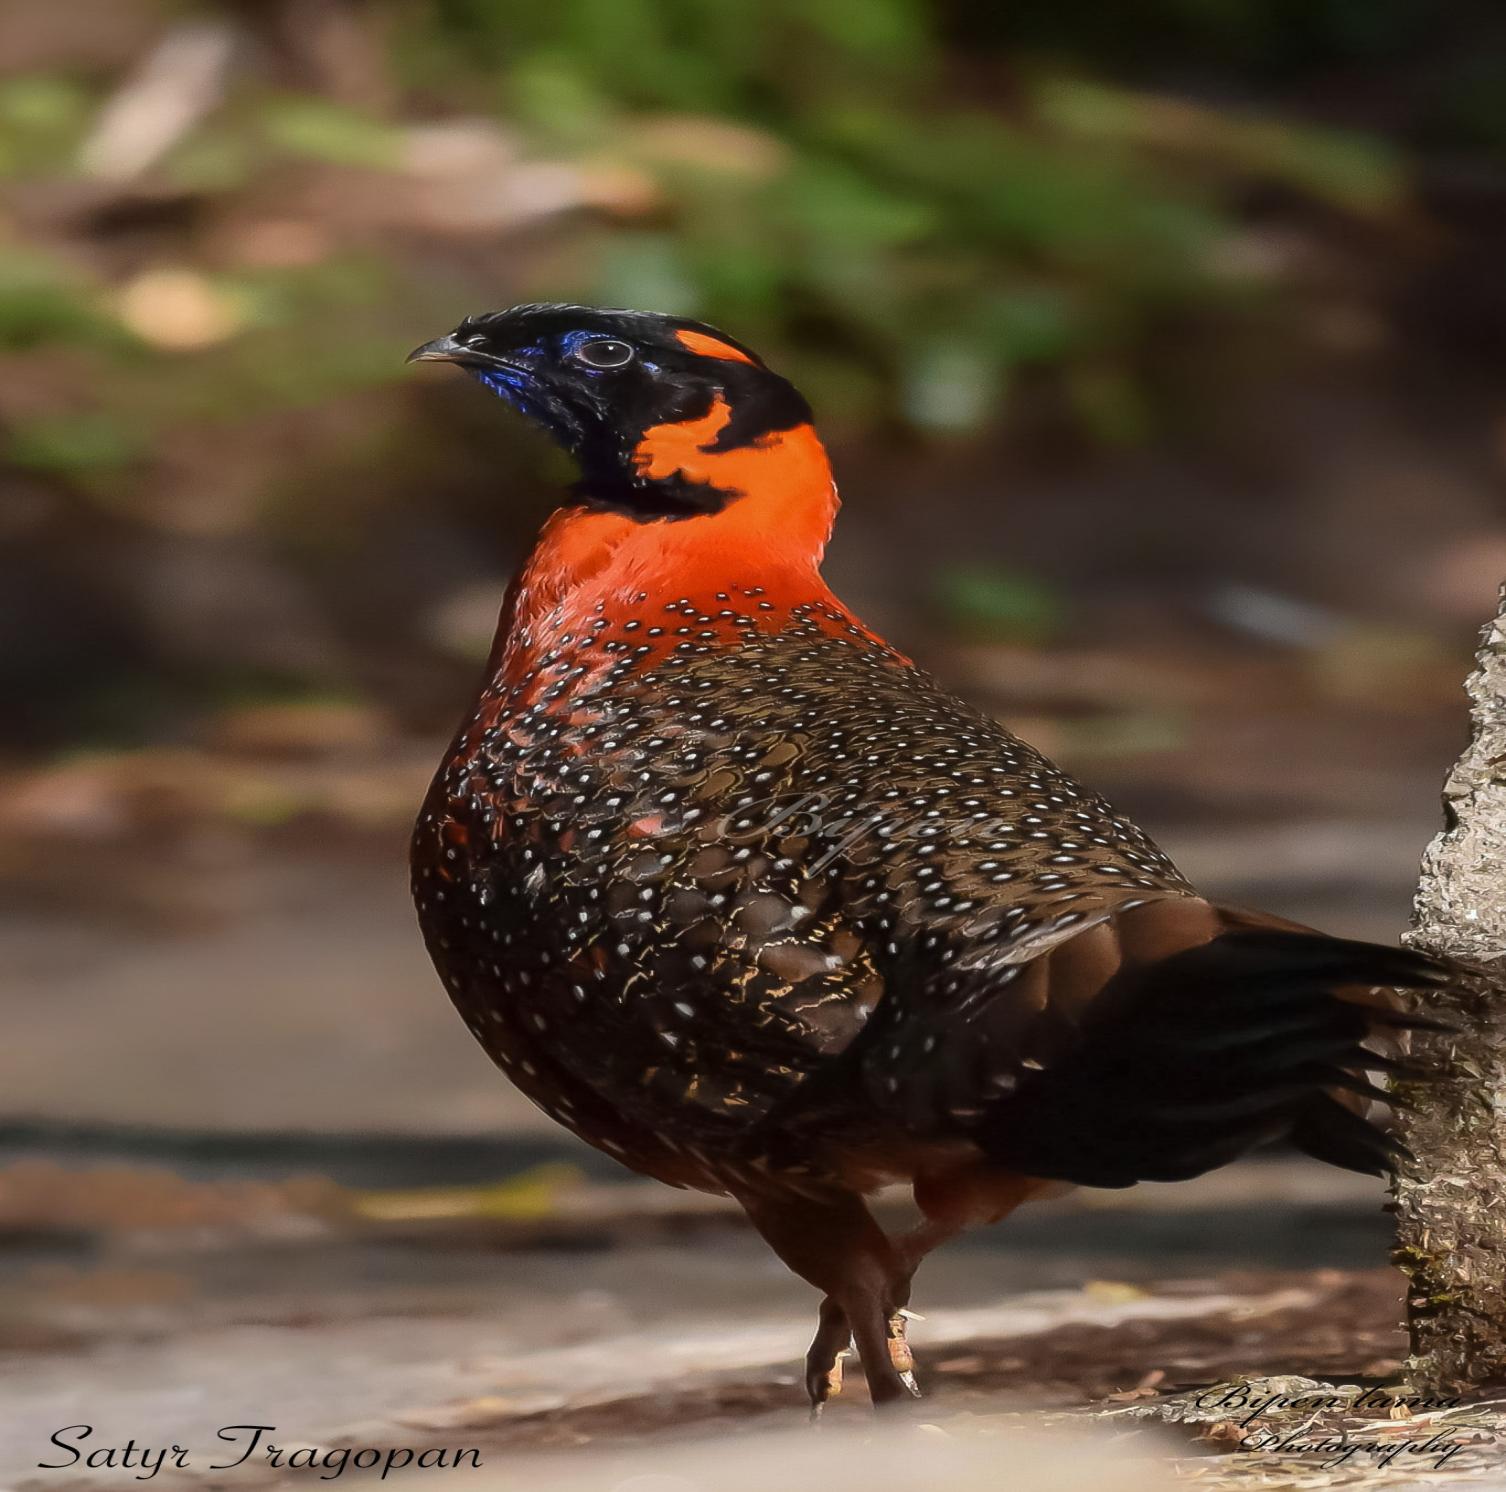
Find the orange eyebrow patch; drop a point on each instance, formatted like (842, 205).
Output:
(712, 347)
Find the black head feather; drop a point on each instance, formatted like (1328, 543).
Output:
(597, 379)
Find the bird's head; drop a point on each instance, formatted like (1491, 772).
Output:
(666, 417)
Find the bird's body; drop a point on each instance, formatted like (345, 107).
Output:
(667, 896)
(735, 892)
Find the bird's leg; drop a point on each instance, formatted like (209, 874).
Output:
(910, 1248)
(834, 1243)
(823, 1363)
(949, 1203)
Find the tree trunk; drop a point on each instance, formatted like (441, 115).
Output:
(1451, 1200)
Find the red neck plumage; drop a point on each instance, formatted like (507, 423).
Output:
(588, 565)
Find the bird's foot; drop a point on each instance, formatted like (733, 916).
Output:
(823, 1363)
(824, 1384)
(899, 1350)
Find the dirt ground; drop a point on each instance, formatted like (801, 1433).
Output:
(636, 1336)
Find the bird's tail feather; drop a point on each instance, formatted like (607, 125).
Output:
(1186, 1060)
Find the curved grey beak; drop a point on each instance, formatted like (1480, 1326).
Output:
(443, 349)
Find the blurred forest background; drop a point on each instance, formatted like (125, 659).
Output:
(1160, 348)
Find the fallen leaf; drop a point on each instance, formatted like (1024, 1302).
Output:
(1113, 1292)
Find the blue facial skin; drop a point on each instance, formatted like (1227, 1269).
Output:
(571, 340)
(529, 393)
(513, 385)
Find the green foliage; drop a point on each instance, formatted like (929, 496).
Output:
(73, 444)
(904, 245)
(909, 245)
(39, 304)
(215, 160)
(917, 209)
(42, 118)
(997, 604)
(1340, 168)
(940, 244)
(322, 131)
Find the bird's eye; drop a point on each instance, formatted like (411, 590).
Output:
(476, 339)
(604, 352)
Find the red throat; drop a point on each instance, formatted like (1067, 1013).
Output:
(609, 573)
